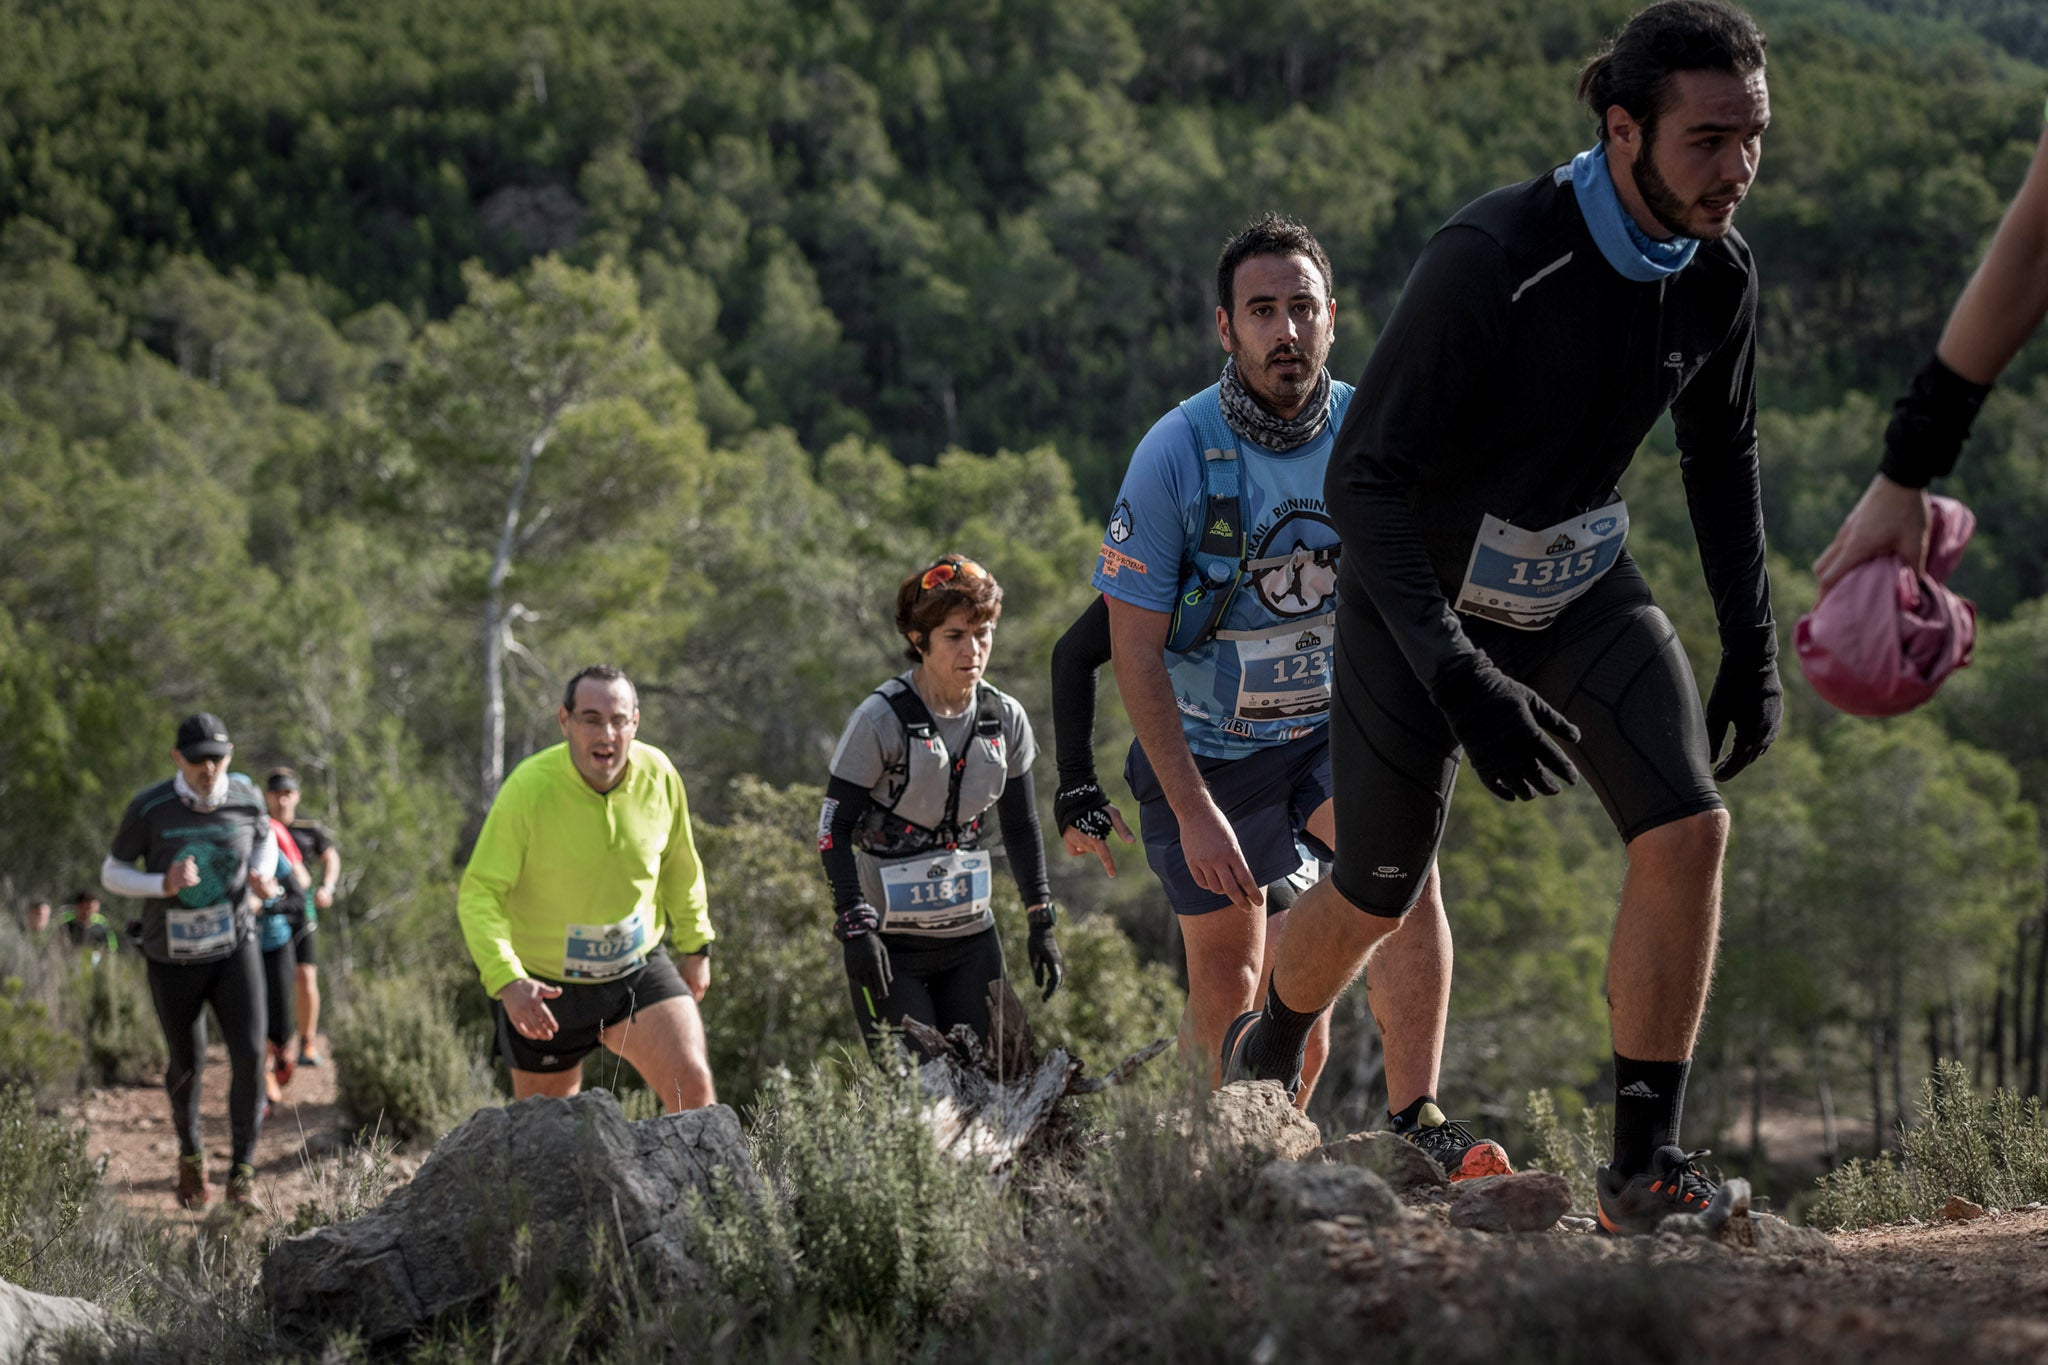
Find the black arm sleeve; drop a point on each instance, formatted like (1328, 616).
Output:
(1080, 653)
(1716, 423)
(845, 803)
(1022, 840)
(1425, 368)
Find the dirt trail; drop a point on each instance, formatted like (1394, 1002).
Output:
(131, 1127)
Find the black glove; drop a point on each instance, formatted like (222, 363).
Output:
(1501, 725)
(1082, 806)
(858, 930)
(1746, 695)
(1048, 968)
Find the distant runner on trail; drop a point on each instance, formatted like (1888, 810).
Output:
(322, 859)
(208, 857)
(1218, 564)
(280, 963)
(1488, 603)
(920, 764)
(2000, 307)
(87, 928)
(584, 863)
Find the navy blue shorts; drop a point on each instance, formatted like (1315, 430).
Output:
(1267, 797)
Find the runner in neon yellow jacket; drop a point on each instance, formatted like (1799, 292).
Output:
(585, 861)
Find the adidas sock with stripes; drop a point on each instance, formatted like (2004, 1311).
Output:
(1649, 1100)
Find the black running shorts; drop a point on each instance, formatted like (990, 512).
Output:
(583, 1011)
(1611, 662)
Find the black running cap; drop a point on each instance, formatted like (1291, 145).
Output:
(281, 780)
(203, 736)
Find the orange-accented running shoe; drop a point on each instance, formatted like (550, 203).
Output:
(1451, 1145)
(1636, 1204)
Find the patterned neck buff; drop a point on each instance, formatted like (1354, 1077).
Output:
(1253, 422)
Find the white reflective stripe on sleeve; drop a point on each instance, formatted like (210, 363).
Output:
(124, 879)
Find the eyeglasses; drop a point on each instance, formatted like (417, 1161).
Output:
(946, 570)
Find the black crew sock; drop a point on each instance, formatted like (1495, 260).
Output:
(1407, 1119)
(1649, 1100)
(1276, 1050)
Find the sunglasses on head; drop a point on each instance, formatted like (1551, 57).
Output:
(946, 570)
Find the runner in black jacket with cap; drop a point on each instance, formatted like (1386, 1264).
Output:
(1488, 604)
(207, 852)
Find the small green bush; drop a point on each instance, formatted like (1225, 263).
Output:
(45, 1181)
(868, 1231)
(400, 1064)
(1992, 1151)
(34, 1052)
(1574, 1153)
(110, 1004)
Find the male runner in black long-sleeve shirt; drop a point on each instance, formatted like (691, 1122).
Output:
(1489, 603)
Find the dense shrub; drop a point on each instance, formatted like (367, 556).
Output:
(400, 1064)
(867, 1230)
(1993, 1152)
(109, 1002)
(45, 1181)
(34, 1051)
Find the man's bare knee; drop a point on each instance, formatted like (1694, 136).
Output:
(1685, 842)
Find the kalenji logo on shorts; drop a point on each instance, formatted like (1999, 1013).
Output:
(1386, 872)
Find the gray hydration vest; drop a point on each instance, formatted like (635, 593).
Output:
(944, 795)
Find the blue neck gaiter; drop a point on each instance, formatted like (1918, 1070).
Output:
(1630, 250)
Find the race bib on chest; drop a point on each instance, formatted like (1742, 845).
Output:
(936, 893)
(197, 935)
(1525, 578)
(599, 952)
(1285, 676)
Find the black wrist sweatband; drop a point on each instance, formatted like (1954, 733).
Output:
(1929, 425)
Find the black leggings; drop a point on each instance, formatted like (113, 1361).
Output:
(281, 992)
(936, 981)
(234, 986)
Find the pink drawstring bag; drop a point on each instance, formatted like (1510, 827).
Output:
(1881, 642)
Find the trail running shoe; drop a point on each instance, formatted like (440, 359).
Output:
(193, 1191)
(1236, 1064)
(242, 1188)
(308, 1057)
(281, 1066)
(1635, 1205)
(1451, 1145)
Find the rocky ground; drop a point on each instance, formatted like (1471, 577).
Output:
(1969, 1288)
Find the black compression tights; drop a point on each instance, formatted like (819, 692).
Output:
(281, 992)
(234, 987)
(937, 981)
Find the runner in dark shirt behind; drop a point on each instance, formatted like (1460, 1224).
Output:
(207, 854)
(1488, 603)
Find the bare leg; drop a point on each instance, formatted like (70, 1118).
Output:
(1409, 990)
(1662, 961)
(1224, 948)
(1318, 1053)
(558, 1085)
(665, 1044)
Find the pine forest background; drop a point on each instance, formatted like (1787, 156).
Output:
(758, 306)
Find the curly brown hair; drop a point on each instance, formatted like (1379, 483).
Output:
(926, 598)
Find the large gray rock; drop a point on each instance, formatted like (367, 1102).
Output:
(1256, 1120)
(1298, 1192)
(1393, 1159)
(1528, 1201)
(522, 1192)
(33, 1327)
